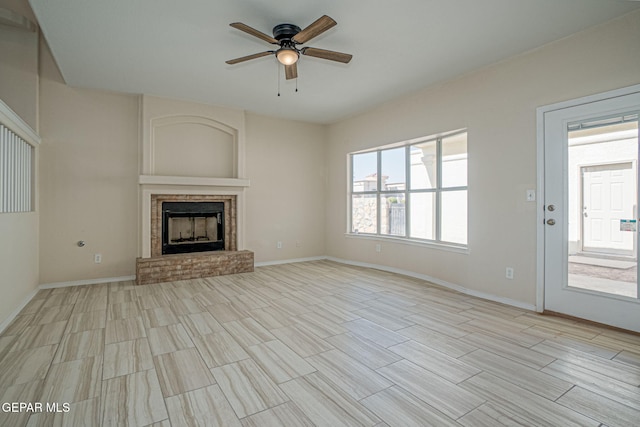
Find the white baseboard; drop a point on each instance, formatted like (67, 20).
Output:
(461, 289)
(289, 261)
(6, 322)
(87, 282)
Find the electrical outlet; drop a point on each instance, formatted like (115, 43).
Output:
(509, 273)
(279, 245)
(97, 258)
(378, 247)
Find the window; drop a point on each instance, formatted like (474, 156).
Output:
(417, 191)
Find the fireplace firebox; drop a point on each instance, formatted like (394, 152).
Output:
(192, 227)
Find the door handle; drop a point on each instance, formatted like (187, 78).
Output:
(551, 221)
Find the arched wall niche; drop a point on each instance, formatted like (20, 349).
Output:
(193, 146)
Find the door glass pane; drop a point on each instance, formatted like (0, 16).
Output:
(602, 205)
(423, 225)
(424, 164)
(365, 176)
(364, 213)
(454, 217)
(454, 161)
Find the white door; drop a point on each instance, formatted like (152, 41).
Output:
(585, 294)
(608, 194)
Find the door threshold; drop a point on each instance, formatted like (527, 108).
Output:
(601, 255)
(588, 322)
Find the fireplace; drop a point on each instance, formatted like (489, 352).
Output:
(222, 231)
(191, 218)
(201, 234)
(192, 227)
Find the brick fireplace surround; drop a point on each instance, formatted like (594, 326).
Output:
(167, 268)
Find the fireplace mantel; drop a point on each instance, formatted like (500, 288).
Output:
(192, 181)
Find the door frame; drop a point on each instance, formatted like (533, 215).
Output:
(540, 160)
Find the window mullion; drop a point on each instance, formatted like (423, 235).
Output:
(352, 193)
(438, 189)
(460, 188)
(407, 185)
(379, 190)
(350, 196)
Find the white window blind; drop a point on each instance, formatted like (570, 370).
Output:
(16, 172)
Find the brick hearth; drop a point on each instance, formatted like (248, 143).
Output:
(169, 268)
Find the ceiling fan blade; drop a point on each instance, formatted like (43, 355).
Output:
(291, 71)
(327, 54)
(249, 57)
(316, 28)
(249, 30)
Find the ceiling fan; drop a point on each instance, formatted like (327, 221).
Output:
(288, 37)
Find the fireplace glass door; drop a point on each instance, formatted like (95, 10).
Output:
(192, 227)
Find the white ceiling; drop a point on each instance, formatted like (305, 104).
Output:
(177, 49)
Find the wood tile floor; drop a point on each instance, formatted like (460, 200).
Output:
(316, 343)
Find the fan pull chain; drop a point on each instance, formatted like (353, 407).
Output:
(296, 84)
(278, 78)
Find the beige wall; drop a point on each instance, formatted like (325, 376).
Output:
(88, 180)
(498, 107)
(19, 231)
(90, 167)
(19, 65)
(196, 150)
(286, 200)
(18, 260)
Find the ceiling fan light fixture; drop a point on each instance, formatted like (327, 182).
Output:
(287, 37)
(287, 56)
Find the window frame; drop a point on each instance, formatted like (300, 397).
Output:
(437, 190)
(23, 197)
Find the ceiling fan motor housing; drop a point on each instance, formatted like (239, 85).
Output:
(285, 31)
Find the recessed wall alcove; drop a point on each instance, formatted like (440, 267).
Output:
(190, 152)
(193, 146)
